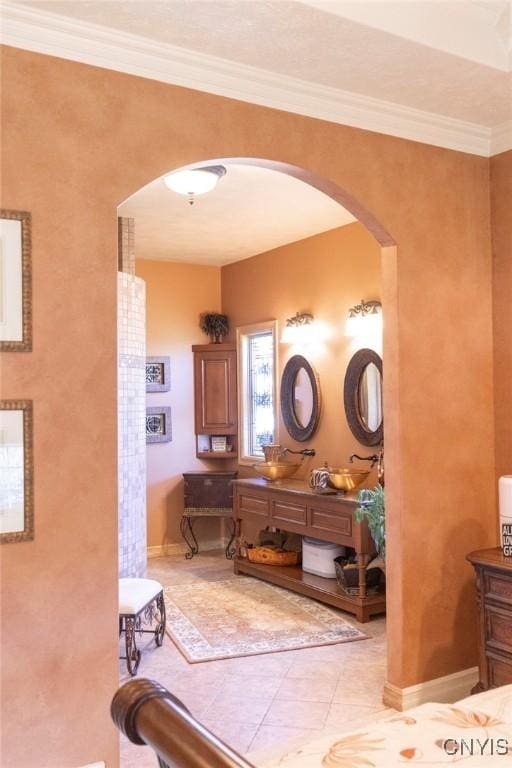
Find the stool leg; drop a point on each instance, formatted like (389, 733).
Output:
(132, 652)
(160, 628)
(230, 551)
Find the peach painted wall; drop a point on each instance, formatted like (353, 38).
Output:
(176, 294)
(77, 141)
(501, 220)
(325, 275)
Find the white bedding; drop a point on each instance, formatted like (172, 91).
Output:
(476, 732)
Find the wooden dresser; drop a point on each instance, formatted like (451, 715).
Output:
(293, 506)
(494, 597)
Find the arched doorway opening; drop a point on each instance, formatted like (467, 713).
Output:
(388, 258)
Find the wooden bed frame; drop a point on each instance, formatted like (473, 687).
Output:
(147, 713)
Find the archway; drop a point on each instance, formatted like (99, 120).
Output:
(390, 341)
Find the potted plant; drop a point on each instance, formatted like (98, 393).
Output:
(372, 509)
(215, 325)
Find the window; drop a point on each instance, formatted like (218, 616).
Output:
(257, 382)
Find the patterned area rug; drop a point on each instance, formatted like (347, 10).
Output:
(242, 616)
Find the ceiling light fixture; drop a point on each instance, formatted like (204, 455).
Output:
(364, 318)
(194, 181)
(299, 328)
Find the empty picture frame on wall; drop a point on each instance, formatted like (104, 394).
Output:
(15, 281)
(16, 471)
(158, 424)
(158, 374)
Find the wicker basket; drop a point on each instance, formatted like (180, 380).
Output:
(268, 556)
(348, 580)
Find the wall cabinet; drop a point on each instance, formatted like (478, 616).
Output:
(215, 393)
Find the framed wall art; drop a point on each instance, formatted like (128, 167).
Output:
(158, 374)
(16, 471)
(158, 424)
(15, 281)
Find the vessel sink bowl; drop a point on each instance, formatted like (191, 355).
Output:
(347, 479)
(276, 470)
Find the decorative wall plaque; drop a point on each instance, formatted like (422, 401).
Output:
(15, 282)
(158, 374)
(158, 425)
(16, 471)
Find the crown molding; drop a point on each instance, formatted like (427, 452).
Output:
(55, 35)
(501, 139)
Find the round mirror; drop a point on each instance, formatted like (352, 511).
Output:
(303, 397)
(300, 398)
(363, 397)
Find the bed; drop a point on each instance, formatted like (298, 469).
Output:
(476, 731)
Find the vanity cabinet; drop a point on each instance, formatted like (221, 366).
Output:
(292, 506)
(215, 394)
(494, 599)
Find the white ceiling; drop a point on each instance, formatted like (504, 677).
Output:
(437, 71)
(251, 210)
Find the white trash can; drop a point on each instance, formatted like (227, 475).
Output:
(318, 557)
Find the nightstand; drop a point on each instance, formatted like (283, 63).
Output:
(494, 597)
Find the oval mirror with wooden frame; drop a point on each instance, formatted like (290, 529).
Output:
(362, 394)
(300, 398)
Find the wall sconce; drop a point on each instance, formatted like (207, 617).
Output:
(364, 319)
(194, 181)
(299, 329)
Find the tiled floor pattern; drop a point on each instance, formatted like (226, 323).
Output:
(268, 700)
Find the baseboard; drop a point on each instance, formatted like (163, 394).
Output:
(94, 765)
(442, 689)
(180, 548)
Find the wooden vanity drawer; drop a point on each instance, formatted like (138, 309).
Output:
(499, 670)
(288, 512)
(326, 521)
(253, 505)
(497, 586)
(498, 629)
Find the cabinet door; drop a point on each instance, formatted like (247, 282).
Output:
(215, 392)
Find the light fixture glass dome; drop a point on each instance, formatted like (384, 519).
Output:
(194, 181)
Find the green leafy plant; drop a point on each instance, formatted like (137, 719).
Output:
(215, 325)
(372, 509)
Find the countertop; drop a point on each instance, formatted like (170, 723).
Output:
(490, 557)
(300, 487)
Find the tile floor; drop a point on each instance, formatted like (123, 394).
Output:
(263, 701)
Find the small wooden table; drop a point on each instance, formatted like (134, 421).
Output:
(494, 599)
(207, 494)
(292, 506)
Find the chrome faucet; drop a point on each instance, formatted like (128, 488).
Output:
(376, 459)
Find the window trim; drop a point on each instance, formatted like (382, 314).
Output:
(242, 332)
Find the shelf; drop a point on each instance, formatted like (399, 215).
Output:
(217, 454)
(326, 590)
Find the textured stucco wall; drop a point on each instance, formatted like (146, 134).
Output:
(77, 141)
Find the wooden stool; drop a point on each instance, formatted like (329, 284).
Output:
(140, 600)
